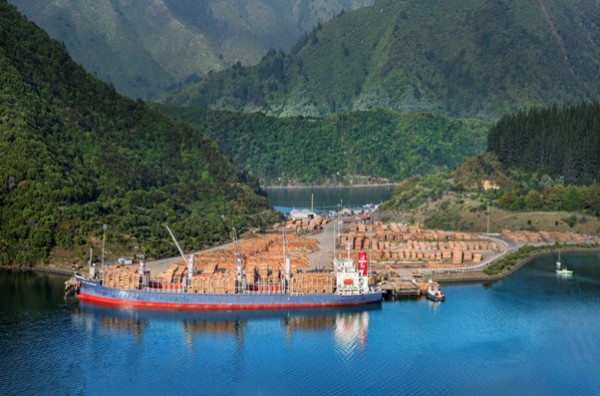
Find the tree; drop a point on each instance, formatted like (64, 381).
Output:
(533, 200)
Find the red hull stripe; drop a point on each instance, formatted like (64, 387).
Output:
(202, 307)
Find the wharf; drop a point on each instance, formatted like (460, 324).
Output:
(400, 288)
(404, 287)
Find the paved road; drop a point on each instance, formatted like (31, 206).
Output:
(323, 258)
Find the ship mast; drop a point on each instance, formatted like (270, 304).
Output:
(239, 268)
(142, 262)
(286, 261)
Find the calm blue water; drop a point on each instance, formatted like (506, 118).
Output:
(530, 334)
(327, 198)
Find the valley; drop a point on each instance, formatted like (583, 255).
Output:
(299, 197)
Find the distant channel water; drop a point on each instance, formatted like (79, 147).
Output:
(529, 334)
(327, 198)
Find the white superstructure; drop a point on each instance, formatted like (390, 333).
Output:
(349, 280)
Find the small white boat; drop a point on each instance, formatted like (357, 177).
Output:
(560, 270)
(564, 271)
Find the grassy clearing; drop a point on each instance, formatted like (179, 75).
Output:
(454, 212)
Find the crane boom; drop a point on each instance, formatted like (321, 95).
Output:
(178, 247)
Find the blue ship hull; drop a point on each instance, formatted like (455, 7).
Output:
(92, 291)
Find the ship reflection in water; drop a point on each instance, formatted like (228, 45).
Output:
(348, 325)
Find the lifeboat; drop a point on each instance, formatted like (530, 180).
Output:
(348, 281)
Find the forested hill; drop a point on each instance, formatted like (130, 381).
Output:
(466, 58)
(74, 155)
(554, 141)
(349, 148)
(146, 48)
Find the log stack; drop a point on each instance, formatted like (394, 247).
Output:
(121, 277)
(220, 283)
(311, 283)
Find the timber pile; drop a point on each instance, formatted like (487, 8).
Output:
(262, 257)
(295, 243)
(527, 237)
(221, 283)
(121, 277)
(311, 283)
(174, 274)
(274, 261)
(214, 261)
(315, 224)
(397, 242)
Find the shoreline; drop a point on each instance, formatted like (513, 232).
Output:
(39, 268)
(443, 278)
(481, 277)
(324, 186)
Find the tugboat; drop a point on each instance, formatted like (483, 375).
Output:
(434, 293)
(560, 270)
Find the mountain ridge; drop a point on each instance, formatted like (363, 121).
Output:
(454, 58)
(148, 49)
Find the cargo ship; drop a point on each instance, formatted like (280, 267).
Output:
(347, 285)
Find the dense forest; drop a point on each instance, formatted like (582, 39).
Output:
(381, 145)
(459, 58)
(561, 142)
(74, 155)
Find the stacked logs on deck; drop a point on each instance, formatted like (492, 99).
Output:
(223, 283)
(121, 277)
(312, 282)
(398, 242)
(262, 259)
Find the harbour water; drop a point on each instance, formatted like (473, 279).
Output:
(532, 333)
(327, 198)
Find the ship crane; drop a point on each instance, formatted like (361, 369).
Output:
(239, 268)
(188, 260)
(142, 260)
(287, 265)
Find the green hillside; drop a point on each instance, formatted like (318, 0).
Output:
(349, 148)
(74, 154)
(466, 58)
(543, 169)
(524, 201)
(146, 49)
